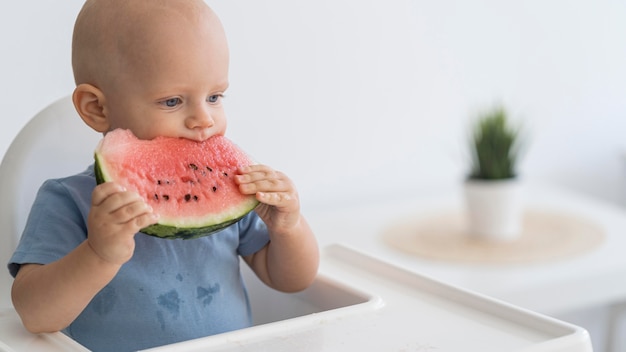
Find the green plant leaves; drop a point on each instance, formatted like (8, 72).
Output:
(494, 146)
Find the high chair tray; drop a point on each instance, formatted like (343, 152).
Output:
(14, 338)
(374, 306)
(399, 310)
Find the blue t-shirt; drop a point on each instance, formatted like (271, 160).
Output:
(170, 291)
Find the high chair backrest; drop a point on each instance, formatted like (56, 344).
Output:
(54, 143)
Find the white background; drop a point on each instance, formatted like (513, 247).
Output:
(355, 99)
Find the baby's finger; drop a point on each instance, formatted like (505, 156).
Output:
(253, 168)
(145, 219)
(104, 191)
(264, 185)
(131, 210)
(119, 200)
(274, 198)
(255, 173)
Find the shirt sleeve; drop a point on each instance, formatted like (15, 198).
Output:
(253, 234)
(56, 223)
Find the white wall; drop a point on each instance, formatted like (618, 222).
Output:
(355, 98)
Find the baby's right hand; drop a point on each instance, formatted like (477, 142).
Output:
(115, 217)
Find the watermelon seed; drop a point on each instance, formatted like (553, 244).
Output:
(225, 174)
(166, 197)
(214, 188)
(193, 166)
(156, 196)
(208, 168)
(189, 196)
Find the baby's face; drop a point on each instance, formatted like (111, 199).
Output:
(172, 83)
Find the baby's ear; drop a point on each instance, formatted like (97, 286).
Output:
(89, 103)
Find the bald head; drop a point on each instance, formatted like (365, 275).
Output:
(113, 37)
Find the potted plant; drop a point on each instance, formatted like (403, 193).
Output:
(492, 189)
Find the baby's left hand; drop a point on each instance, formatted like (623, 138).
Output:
(280, 205)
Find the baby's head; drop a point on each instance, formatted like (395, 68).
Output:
(156, 67)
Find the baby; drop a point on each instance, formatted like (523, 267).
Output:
(158, 68)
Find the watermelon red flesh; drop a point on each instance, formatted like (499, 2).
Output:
(189, 184)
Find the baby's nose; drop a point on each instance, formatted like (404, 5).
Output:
(200, 117)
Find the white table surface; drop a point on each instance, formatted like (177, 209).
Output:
(595, 277)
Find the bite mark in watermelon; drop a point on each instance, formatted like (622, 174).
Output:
(189, 184)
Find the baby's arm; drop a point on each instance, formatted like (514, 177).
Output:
(289, 262)
(49, 297)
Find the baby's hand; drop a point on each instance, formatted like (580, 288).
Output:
(115, 217)
(280, 205)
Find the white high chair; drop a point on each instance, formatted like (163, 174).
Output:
(54, 143)
(57, 143)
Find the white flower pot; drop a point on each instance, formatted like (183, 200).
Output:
(494, 209)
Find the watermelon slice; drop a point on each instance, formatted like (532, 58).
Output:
(189, 184)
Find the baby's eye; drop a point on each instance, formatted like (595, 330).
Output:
(214, 98)
(171, 102)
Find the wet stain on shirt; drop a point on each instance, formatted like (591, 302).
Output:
(170, 302)
(205, 294)
(161, 319)
(104, 301)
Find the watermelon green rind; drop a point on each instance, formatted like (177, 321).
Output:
(98, 170)
(164, 231)
(187, 228)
